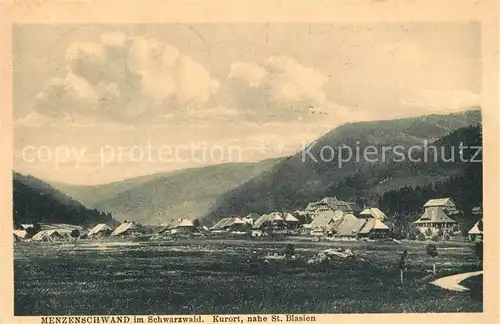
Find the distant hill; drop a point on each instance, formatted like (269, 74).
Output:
(158, 198)
(296, 180)
(35, 201)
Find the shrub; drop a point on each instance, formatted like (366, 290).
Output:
(289, 251)
(447, 237)
(478, 250)
(435, 237)
(412, 236)
(440, 232)
(431, 249)
(75, 233)
(421, 236)
(428, 232)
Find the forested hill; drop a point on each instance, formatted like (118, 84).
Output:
(35, 201)
(295, 181)
(465, 187)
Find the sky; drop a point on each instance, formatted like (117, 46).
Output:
(95, 104)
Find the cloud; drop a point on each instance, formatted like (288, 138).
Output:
(34, 119)
(251, 73)
(442, 101)
(288, 81)
(283, 79)
(282, 89)
(127, 80)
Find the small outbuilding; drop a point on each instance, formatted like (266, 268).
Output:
(100, 230)
(476, 231)
(127, 229)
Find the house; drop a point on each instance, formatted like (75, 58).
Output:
(222, 224)
(446, 205)
(179, 226)
(100, 230)
(434, 218)
(127, 229)
(375, 228)
(349, 226)
(64, 229)
(20, 234)
(325, 222)
(355, 208)
(49, 236)
(251, 218)
(273, 222)
(476, 231)
(313, 209)
(373, 212)
(231, 224)
(292, 222)
(477, 211)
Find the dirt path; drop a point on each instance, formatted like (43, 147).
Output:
(453, 282)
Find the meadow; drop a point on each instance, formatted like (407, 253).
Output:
(211, 276)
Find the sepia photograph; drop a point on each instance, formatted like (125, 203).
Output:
(247, 168)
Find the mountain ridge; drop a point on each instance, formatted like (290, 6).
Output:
(292, 182)
(35, 201)
(234, 189)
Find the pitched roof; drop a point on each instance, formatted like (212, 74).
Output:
(434, 215)
(335, 204)
(379, 225)
(49, 234)
(267, 218)
(253, 216)
(99, 228)
(221, 223)
(326, 219)
(355, 208)
(20, 233)
(350, 225)
(477, 210)
(438, 202)
(181, 222)
(124, 227)
(276, 216)
(332, 203)
(237, 220)
(477, 228)
(368, 226)
(374, 213)
(290, 218)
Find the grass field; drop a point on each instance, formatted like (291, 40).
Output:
(213, 276)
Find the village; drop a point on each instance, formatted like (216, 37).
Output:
(327, 219)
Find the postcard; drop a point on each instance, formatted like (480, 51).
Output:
(249, 162)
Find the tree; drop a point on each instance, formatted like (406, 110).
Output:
(75, 233)
(196, 223)
(431, 250)
(413, 233)
(289, 251)
(31, 231)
